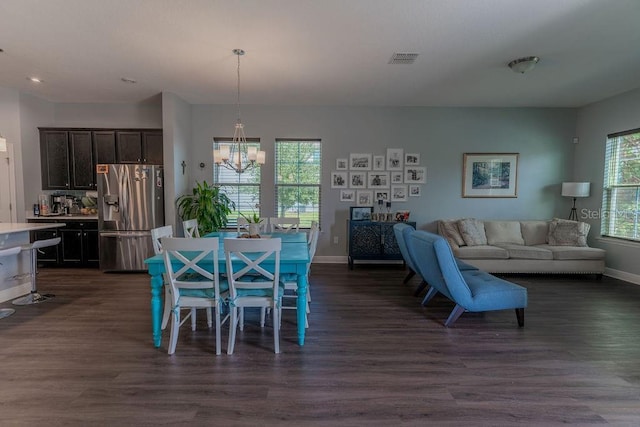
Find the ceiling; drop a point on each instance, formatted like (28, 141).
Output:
(322, 52)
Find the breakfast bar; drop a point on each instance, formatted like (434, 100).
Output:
(15, 270)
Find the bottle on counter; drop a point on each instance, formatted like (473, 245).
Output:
(36, 209)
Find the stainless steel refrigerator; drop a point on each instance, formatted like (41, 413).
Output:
(130, 204)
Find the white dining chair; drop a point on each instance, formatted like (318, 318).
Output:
(290, 280)
(252, 284)
(190, 228)
(192, 285)
(284, 224)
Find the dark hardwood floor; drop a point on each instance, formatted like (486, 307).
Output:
(373, 356)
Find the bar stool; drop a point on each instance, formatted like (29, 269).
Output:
(34, 297)
(6, 312)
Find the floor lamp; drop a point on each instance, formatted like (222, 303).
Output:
(575, 190)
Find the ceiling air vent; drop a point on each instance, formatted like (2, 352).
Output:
(403, 58)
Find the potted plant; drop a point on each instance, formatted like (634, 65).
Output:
(253, 221)
(208, 204)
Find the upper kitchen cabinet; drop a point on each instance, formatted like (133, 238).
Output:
(67, 159)
(55, 159)
(104, 147)
(139, 146)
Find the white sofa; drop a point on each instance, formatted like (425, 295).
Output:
(532, 246)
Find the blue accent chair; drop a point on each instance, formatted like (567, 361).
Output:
(470, 290)
(402, 232)
(402, 245)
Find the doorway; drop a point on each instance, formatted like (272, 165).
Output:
(7, 186)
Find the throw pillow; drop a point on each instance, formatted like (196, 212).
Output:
(472, 231)
(503, 232)
(563, 232)
(449, 230)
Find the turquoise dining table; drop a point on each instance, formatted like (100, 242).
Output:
(294, 258)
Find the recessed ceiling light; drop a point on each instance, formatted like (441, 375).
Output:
(128, 80)
(35, 80)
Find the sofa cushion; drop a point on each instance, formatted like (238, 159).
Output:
(534, 232)
(472, 231)
(575, 252)
(449, 230)
(527, 252)
(503, 232)
(568, 233)
(481, 252)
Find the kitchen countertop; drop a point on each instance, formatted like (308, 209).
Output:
(78, 217)
(19, 227)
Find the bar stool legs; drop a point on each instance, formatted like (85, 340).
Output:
(35, 297)
(6, 312)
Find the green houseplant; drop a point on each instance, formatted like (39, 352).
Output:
(208, 204)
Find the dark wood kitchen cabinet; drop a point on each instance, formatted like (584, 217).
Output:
(69, 156)
(139, 147)
(66, 158)
(78, 246)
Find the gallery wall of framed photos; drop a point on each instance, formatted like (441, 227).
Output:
(365, 179)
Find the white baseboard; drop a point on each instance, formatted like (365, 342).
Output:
(15, 292)
(622, 275)
(330, 260)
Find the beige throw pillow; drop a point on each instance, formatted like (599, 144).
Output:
(472, 231)
(449, 230)
(563, 232)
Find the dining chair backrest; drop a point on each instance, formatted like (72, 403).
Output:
(157, 234)
(182, 255)
(284, 224)
(190, 227)
(245, 259)
(314, 233)
(243, 225)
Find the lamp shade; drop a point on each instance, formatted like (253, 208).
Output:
(576, 189)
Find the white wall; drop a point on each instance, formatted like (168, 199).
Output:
(594, 123)
(542, 137)
(10, 129)
(176, 122)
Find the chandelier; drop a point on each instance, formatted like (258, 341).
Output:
(238, 156)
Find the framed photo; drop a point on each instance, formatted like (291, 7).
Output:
(347, 195)
(395, 159)
(398, 193)
(381, 196)
(396, 177)
(411, 159)
(342, 164)
(364, 198)
(339, 179)
(378, 163)
(360, 161)
(360, 213)
(415, 174)
(490, 175)
(378, 179)
(357, 180)
(415, 191)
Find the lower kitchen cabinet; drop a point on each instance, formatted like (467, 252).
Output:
(78, 247)
(373, 240)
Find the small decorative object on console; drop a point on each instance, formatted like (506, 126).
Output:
(402, 216)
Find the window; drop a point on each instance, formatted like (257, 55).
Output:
(242, 188)
(298, 176)
(621, 195)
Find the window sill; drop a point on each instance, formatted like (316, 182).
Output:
(619, 242)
